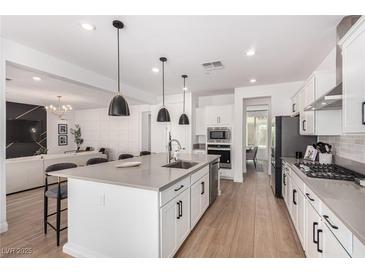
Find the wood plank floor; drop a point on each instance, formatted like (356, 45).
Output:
(245, 221)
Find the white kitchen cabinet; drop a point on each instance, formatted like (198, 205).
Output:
(353, 71)
(199, 199)
(200, 125)
(183, 222)
(298, 210)
(318, 122)
(295, 104)
(330, 246)
(175, 223)
(358, 250)
(169, 213)
(313, 223)
(219, 115)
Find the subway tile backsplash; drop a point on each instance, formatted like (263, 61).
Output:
(349, 147)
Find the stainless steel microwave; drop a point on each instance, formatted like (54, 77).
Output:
(219, 135)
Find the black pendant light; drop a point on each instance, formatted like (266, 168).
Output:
(184, 119)
(118, 105)
(163, 114)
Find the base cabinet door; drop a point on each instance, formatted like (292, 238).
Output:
(175, 223)
(169, 214)
(331, 246)
(313, 231)
(300, 200)
(195, 203)
(183, 221)
(199, 199)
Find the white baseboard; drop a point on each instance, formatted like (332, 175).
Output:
(3, 227)
(80, 252)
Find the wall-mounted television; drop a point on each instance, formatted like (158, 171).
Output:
(22, 131)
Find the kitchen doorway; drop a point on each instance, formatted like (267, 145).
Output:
(257, 132)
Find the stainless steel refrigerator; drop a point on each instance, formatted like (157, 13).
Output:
(286, 141)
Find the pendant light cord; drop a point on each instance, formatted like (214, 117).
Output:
(163, 83)
(118, 64)
(184, 97)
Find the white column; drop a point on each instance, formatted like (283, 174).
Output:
(3, 222)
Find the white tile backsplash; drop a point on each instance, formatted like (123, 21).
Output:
(349, 147)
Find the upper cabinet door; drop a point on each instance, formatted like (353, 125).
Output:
(354, 81)
(219, 115)
(309, 92)
(200, 128)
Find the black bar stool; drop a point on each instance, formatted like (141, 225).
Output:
(125, 156)
(58, 192)
(144, 152)
(94, 161)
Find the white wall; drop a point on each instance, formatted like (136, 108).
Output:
(159, 131)
(117, 134)
(52, 133)
(3, 223)
(280, 95)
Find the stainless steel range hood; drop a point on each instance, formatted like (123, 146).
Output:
(333, 98)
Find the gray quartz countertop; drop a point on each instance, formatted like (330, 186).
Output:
(149, 175)
(345, 199)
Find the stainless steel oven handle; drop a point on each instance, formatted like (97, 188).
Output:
(220, 149)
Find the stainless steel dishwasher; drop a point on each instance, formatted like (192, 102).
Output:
(213, 181)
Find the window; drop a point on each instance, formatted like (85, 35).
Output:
(256, 128)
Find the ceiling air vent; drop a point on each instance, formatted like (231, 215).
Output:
(216, 65)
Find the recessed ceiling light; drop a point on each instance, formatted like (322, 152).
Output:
(253, 80)
(87, 26)
(36, 78)
(250, 52)
(155, 70)
(324, 103)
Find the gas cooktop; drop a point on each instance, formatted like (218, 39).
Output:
(328, 171)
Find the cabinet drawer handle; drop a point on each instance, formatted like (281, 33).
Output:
(178, 210)
(293, 107)
(181, 206)
(309, 197)
(203, 188)
(284, 179)
(303, 125)
(363, 113)
(328, 221)
(294, 192)
(314, 232)
(177, 189)
(318, 249)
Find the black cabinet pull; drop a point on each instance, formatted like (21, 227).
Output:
(314, 232)
(284, 179)
(293, 107)
(294, 192)
(318, 249)
(178, 209)
(181, 206)
(309, 197)
(203, 189)
(303, 125)
(363, 113)
(328, 221)
(177, 189)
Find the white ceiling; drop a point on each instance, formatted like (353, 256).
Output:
(288, 47)
(23, 89)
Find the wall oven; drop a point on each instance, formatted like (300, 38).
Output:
(224, 151)
(219, 135)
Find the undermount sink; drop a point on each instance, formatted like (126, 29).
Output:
(181, 164)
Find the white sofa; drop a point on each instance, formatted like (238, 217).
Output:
(28, 172)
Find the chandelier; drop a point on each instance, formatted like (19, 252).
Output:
(60, 110)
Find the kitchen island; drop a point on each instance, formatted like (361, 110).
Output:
(143, 211)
